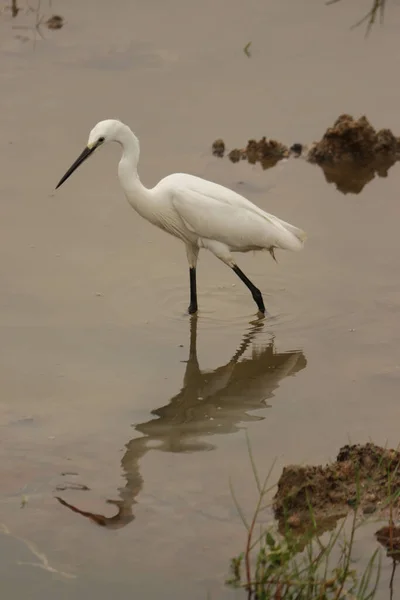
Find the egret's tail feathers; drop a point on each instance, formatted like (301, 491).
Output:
(290, 237)
(298, 237)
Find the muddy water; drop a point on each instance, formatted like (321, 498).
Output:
(106, 383)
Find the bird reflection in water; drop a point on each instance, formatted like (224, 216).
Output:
(209, 403)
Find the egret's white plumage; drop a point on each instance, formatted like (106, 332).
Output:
(201, 213)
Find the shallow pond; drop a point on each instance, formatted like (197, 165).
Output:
(107, 384)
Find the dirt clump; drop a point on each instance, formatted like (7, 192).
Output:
(55, 22)
(351, 153)
(359, 476)
(354, 140)
(266, 152)
(218, 148)
(296, 149)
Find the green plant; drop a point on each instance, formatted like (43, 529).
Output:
(300, 567)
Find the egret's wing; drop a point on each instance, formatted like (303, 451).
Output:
(214, 212)
(228, 196)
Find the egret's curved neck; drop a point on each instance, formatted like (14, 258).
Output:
(127, 168)
(138, 196)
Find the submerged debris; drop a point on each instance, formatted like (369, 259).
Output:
(351, 140)
(72, 486)
(360, 476)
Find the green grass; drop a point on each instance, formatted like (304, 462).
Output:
(292, 567)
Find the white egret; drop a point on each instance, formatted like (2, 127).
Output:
(201, 213)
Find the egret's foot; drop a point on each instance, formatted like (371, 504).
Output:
(192, 310)
(258, 299)
(262, 315)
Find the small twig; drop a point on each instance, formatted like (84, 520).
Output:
(14, 8)
(392, 579)
(246, 50)
(378, 7)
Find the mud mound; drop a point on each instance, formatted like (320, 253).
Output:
(360, 474)
(218, 148)
(351, 140)
(351, 153)
(264, 151)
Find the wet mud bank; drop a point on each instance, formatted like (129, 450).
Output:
(366, 476)
(351, 152)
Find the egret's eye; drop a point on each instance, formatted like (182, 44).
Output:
(101, 140)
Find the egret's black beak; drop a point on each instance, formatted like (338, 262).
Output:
(81, 158)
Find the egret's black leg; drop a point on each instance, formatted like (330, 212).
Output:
(193, 291)
(255, 292)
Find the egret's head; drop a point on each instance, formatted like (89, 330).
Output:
(105, 131)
